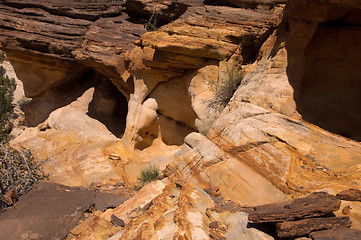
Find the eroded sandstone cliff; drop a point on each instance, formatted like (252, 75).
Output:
(104, 86)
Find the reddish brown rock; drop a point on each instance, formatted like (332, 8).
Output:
(218, 225)
(316, 204)
(350, 195)
(337, 234)
(39, 213)
(217, 229)
(346, 210)
(213, 191)
(93, 32)
(10, 197)
(117, 221)
(50, 27)
(305, 226)
(252, 3)
(195, 34)
(216, 235)
(162, 10)
(223, 205)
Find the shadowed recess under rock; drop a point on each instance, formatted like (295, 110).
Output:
(331, 88)
(326, 74)
(42, 105)
(110, 107)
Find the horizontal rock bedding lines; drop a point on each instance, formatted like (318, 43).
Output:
(307, 216)
(257, 150)
(41, 25)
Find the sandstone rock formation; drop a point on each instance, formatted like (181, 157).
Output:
(301, 216)
(315, 205)
(104, 86)
(338, 233)
(306, 226)
(350, 195)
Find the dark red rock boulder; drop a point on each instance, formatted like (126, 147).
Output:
(337, 234)
(315, 205)
(350, 195)
(306, 226)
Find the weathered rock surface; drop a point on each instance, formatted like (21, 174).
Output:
(193, 35)
(352, 210)
(337, 234)
(46, 207)
(141, 200)
(40, 38)
(315, 205)
(235, 179)
(234, 226)
(104, 201)
(266, 146)
(350, 195)
(306, 226)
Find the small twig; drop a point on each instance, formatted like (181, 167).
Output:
(6, 150)
(18, 171)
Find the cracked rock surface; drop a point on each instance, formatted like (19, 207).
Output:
(116, 98)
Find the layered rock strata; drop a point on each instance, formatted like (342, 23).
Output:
(291, 128)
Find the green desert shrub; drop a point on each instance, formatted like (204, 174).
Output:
(7, 88)
(224, 88)
(19, 170)
(23, 102)
(152, 23)
(149, 174)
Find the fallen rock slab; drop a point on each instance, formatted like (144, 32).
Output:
(350, 195)
(103, 201)
(48, 211)
(315, 205)
(306, 226)
(137, 204)
(337, 234)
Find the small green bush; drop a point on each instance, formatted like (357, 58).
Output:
(225, 87)
(152, 23)
(19, 170)
(23, 102)
(149, 174)
(7, 88)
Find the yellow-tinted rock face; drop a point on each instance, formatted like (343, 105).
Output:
(292, 126)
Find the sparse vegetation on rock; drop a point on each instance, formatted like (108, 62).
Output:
(149, 174)
(7, 88)
(239, 152)
(22, 103)
(151, 24)
(224, 88)
(18, 169)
